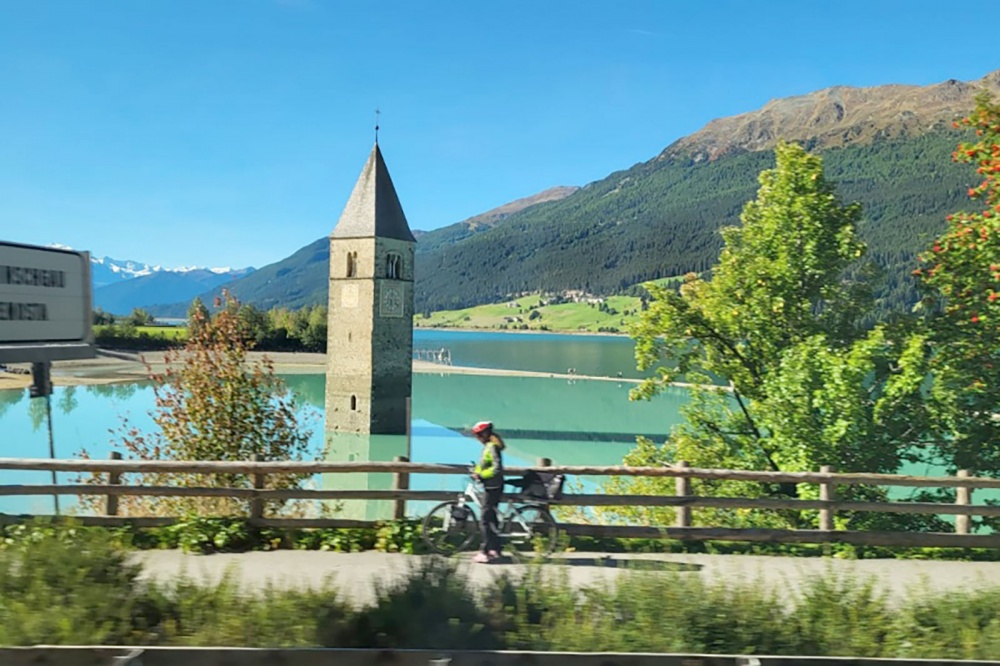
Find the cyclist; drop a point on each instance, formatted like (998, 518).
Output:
(489, 471)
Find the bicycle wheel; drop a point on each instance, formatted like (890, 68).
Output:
(530, 530)
(449, 528)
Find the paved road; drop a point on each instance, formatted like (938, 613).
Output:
(355, 574)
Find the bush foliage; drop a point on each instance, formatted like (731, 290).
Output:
(77, 586)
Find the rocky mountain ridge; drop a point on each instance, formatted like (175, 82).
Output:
(836, 117)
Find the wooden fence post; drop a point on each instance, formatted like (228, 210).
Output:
(114, 479)
(963, 497)
(827, 493)
(401, 482)
(683, 489)
(257, 503)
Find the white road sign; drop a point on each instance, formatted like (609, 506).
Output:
(45, 303)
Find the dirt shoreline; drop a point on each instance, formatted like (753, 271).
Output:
(125, 367)
(131, 367)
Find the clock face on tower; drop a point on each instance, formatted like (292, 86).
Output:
(392, 300)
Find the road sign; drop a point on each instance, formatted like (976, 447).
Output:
(45, 304)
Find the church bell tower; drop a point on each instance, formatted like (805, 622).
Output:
(369, 373)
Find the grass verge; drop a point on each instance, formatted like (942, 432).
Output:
(69, 586)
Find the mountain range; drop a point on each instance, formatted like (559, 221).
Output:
(887, 147)
(301, 279)
(163, 286)
(121, 285)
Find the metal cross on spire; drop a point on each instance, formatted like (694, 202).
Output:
(377, 112)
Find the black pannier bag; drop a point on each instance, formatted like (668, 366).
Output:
(460, 514)
(542, 485)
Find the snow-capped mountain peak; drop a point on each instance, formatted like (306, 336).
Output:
(217, 271)
(106, 270)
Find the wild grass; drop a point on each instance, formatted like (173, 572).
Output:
(79, 587)
(178, 333)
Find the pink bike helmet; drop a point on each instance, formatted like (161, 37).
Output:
(482, 426)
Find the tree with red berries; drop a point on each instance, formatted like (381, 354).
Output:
(960, 277)
(212, 402)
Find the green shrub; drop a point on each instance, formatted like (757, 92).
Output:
(198, 534)
(224, 614)
(64, 585)
(842, 615)
(645, 612)
(346, 540)
(61, 584)
(433, 607)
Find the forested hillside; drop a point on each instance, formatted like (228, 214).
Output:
(661, 218)
(453, 233)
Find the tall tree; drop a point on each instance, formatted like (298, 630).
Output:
(787, 378)
(197, 314)
(960, 277)
(102, 317)
(140, 317)
(255, 322)
(315, 335)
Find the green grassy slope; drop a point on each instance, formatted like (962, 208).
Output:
(517, 314)
(178, 333)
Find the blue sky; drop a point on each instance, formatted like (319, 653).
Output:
(230, 132)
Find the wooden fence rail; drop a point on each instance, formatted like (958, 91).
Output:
(678, 470)
(113, 484)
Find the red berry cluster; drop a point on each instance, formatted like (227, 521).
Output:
(963, 265)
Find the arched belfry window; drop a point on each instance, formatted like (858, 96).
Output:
(354, 403)
(394, 266)
(352, 264)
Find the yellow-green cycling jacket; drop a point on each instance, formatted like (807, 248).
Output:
(490, 467)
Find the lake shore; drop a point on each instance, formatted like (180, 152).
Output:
(112, 367)
(123, 367)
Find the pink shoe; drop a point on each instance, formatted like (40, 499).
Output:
(481, 558)
(493, 555)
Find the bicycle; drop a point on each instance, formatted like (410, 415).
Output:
(526, 527)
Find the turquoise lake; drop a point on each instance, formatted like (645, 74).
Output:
(586, 422)
(570, 421)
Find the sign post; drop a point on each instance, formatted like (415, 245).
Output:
(41, 387)
(45, 315)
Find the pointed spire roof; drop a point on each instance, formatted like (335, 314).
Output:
(373, 209)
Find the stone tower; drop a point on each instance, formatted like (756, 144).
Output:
(369, 368)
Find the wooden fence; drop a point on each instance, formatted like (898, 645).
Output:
(684, 501)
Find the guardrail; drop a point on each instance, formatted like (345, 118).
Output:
(683, 499)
